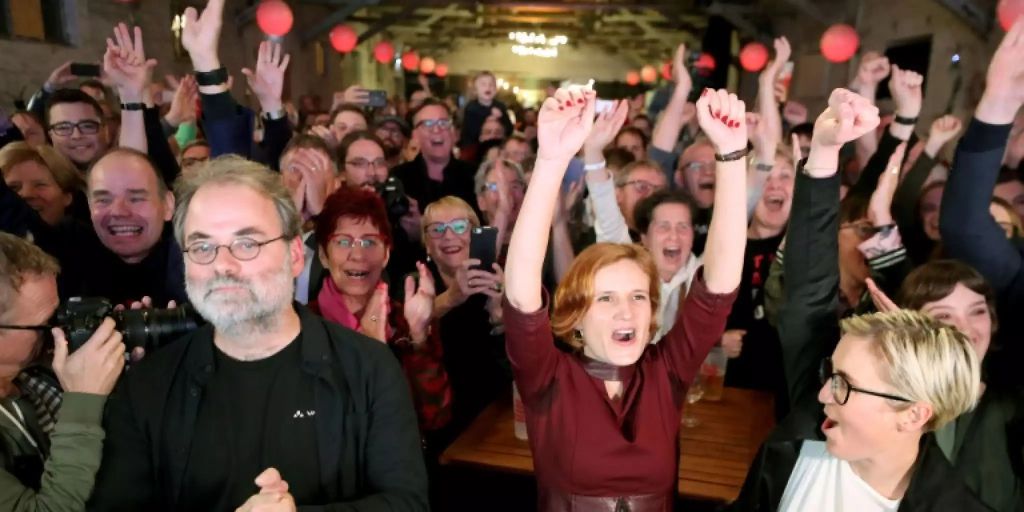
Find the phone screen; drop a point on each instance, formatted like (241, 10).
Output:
(378, 98)
(80, 69)
(603, 106)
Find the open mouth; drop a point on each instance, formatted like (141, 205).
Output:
(356, 274)
(437, 142)
(774, 203)
(124, 231)
(624, 335)
(672, 253)
(707, 186)
(829, 424)
(455, 249)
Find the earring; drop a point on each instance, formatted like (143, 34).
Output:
(577, 336)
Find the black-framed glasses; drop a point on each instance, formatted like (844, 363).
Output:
(362, 164)
(841, 387)
(430, 124)
(243, 249)
(65, 129)
(458, 226)
(864, 229)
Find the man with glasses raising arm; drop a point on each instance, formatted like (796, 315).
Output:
(436, 173)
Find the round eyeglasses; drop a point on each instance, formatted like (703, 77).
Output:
(243, 249)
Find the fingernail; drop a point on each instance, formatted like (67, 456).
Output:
(561, 107)
(580, 101)
(725, 119)
(568, 103)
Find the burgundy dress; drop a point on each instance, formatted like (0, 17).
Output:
(594, 453)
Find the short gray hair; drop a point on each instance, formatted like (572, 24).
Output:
(235, 170)
(480, 180)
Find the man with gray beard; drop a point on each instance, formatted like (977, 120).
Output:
(269, 406)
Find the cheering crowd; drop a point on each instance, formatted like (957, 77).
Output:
(327, 298)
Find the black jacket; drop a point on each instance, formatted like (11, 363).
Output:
(970, 234)
(809, 329)
(367, 436)
(474, 117)
(457, 181)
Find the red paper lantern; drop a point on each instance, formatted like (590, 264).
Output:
(754, 56)
(427, 65)
(274, 17)
(632, 78)
(705, 63)
(410, 61)
(441, 70)
(839, 43)
(648, 74)
(1008, 12)
(384, 52)
(666, 70)
(343, 38)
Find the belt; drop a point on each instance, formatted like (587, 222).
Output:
(551, 500)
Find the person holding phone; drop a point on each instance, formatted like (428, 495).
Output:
(604, 418)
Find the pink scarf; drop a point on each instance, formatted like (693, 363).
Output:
(332, 307)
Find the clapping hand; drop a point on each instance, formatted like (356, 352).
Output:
(183, 106)
(564, 122)
(126, 65)
(723, 119)
(375, 315)
(273, 495)
(267, 82)
(419, 303)
(880, 205)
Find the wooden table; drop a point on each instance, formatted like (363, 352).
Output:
(715, 455)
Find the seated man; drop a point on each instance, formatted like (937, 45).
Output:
(50, 441)
(313, 413)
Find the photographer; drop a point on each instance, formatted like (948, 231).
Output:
(50, 441)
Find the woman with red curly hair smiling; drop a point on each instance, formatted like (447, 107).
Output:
(603, 421)
(354, 243)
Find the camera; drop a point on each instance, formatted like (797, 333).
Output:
(393, 194)
(150, 329)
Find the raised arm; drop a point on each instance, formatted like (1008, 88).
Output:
(723, 118)
(609, 223)
(807, 319)
(267, 82)
(673, 119)
(874, 67)
(126, 64)
(563, 123)
(968, 230)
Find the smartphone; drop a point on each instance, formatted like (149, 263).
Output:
(785, 79)
(81, 69)
(378, 98)
(482, 246)
(604, 106)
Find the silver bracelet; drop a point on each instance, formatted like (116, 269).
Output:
(595, 166)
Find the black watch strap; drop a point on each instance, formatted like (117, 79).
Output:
(215, 77)
(905, 120)
(729, 157)
(133, 106)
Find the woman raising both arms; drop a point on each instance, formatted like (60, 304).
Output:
(604, 420)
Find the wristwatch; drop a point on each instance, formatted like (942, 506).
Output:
(274, 115)
(216, 77)
(905, 120)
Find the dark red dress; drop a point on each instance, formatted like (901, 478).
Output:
(587, 445)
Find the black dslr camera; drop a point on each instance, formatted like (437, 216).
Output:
(392, 192)
(150, 329)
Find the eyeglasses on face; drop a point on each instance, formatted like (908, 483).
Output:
(841, 388)
(430, 124)
(243, 249)
(458, 226)
(347, 243)
(65, 129)
(863, 228)
(363, 164)
(642, 187)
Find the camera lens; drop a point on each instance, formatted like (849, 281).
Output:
(154, 328)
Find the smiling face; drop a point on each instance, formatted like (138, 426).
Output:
(450, 249)
(641, 183)
(931, 202)
(355, 269)
(669, 238)
(616, 327)
(239, 296)
(81, 148)
(489, 199)
(772, 211)
(435, 142)
(696, 173)
(968, 311)
(127, 207)
(866, 427)
(34, 183)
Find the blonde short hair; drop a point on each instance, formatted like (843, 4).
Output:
(924, 360)
(447, 202)
(234, 170)
(63, 171)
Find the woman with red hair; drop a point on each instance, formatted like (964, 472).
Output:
(354, 243)
(603, 421)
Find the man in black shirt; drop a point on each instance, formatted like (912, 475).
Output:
(436, 173)
(269, 404)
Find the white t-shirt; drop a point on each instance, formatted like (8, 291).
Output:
(821, 482)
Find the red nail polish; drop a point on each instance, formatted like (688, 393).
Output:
(561, 107)
(580, 101)
(725, 119)
(734, 124)
(568, 103)
(716, 114)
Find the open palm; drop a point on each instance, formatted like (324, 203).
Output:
(125, 62)
(419, 301)
(564, 122)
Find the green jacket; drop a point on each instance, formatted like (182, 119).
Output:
(31, 480)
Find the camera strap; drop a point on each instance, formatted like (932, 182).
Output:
(19, 422)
